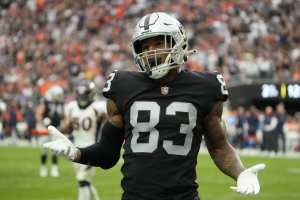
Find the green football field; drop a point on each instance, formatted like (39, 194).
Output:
(19, 179)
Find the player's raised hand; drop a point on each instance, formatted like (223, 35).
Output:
(61, 145)
(247, 182)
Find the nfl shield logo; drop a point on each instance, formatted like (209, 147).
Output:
(164, 90)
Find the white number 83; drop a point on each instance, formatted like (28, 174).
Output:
(154, 112)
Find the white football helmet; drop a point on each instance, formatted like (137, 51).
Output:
(55, 94)
(159, 24)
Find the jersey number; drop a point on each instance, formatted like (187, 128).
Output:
(85, 123)
(108, 82)
(55, 109)
(224, 90)
(149, 127)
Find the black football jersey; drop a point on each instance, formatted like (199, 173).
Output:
(54, 111)
(163, 130)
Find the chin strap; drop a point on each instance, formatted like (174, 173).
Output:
(191, 52)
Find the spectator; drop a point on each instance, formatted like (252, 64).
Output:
(2, 112)
(291, 129)
(281, 116)
(252, 126)
(269, 125)
(240, 127)
(29, 117)
(14, 116)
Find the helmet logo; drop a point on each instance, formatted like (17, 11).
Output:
(146, 24)
(164, 90)
(149, 20)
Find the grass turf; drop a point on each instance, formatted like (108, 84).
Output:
(19, 179)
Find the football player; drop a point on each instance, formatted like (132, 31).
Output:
(161, 113)
(83, 118)
(50, 112)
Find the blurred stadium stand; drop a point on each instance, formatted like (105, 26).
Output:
(255, 44)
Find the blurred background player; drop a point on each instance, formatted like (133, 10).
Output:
(2, 111)
(269, 125)
(83, 118)
(281, 117)
(50, 112)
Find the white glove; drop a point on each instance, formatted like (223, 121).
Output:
(247, 181)
(46, 121)
(61, 145)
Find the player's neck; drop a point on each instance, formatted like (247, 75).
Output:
(172, 74)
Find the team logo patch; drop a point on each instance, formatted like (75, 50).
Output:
(164, 90)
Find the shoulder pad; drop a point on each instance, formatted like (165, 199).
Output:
(69, 107)
(218, 85)
(112, 84)
(99, 106)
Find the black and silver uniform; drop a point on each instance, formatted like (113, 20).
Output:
(54, 110)
(163, 131)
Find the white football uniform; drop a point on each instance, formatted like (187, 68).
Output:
(84, 121)
(85, 127)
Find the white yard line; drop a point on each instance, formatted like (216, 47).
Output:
(294, 170)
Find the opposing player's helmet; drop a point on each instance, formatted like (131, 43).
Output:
(55, 94)
(159, 24)
(85, 93)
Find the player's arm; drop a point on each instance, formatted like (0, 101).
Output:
(224, 155)
(220, 150)
(104, 153)
(102, 117)
(67, 125)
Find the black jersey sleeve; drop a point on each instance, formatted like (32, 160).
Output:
(218, 86)
(114, 88)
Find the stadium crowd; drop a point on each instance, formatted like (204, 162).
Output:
(53, 42)
(273, 131)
